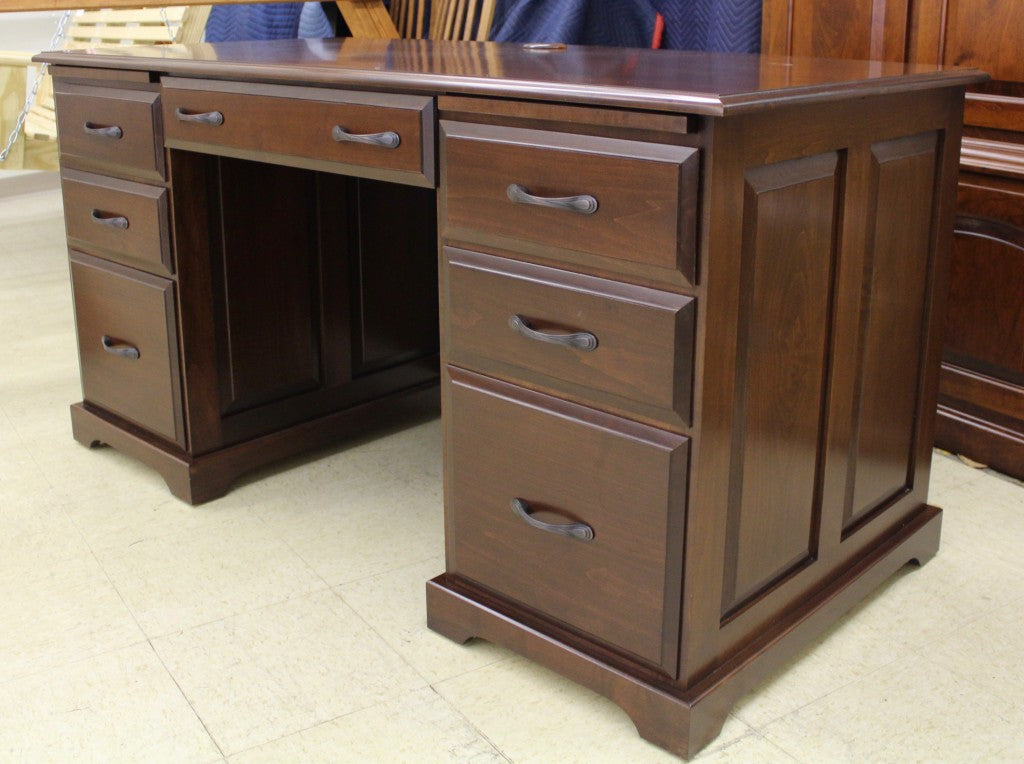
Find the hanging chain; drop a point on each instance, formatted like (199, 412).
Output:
(30, 97)
(167, 23)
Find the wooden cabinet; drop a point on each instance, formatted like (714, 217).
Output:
(981, 393)
(221, 326)
(667, 448)
(690, 324)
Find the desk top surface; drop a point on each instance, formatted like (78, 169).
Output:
(665, 80)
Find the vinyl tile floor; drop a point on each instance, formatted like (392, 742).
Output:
(285, 622)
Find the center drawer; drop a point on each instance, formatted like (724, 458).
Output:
(625, 348)
(568, 467)
(375, 135)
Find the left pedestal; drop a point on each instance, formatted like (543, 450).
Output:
(221, 327)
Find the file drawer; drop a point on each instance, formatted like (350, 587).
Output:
(128, 344)
(527, 471)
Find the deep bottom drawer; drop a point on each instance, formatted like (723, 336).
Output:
(127, 344)
(572, 468)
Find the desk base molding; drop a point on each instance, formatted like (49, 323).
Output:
(203, 478)
(684, 720)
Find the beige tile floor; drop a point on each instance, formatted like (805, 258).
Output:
(285, 622)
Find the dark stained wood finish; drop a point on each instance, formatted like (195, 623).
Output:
(270, 337)
(984, 340)
(132, 309)
(904, 174)
(276, 123)
(985, 321)
(394, 311)
(622, 587)
(278, 330)
(784, 324)
(686, 82)
(144, 243)
(849, 29)
(987, 34)
(607, 120)
(681, 721)
(646, 196)
(801, 222)
(643, 362)
(198, 479)
(137, 153)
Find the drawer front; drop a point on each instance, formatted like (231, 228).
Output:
(623, 207)
(128, 344)
(566, 465)
(383, 136)
(118, 220)
(111, 129)
(619, 346)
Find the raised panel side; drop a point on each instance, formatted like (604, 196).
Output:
(786, 293)
(270, 307)
(394, 308)
(892, 321)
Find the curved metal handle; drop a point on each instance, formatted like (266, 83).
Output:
(113, 221)
(579, 340)
(580, 531)
(205, 117)
(116, 347)
(583, 204)
(104, 131)
(388, 139)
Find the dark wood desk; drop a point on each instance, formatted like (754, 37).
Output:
(689, 320)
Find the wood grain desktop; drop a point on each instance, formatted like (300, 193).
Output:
(685, 310)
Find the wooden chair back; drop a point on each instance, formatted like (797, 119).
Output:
(449, 19)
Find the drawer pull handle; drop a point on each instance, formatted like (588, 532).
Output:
(579, 340)
(116, 347)
(113, 221)
(584, 204)
(388, 139)
(205, 117)
(110, 131)
(580, 531)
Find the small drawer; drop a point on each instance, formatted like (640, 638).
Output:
(623, 207)
(381, 136)
(128, 345)
(117, 220)
(111, 129)
(622, 347)
(531, 476)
